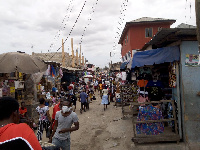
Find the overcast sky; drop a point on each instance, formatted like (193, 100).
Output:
(35, 25)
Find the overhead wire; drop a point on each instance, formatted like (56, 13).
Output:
(62, 27)
(89, 19)
(120, 22)
(71, 29)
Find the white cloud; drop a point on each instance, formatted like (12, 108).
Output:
(36, 22)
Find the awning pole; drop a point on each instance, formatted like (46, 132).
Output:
(197, 9)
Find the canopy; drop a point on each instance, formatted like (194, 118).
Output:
(155, 56)
(123, 65)
(88, 76)
(22, 62)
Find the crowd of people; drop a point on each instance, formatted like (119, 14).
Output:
(58, 126)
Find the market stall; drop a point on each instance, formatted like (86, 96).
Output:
(15, 69)
(129, 95)
(155, 72)
(88, 78)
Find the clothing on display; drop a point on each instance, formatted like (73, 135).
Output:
(172, 75)
(142, 83)
(149, 113)
(146, 70)
(154, 83)
(123, 76)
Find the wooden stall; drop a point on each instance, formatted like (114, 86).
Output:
(167, 135)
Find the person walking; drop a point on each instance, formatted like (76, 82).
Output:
(13, 134)
(56, 108)
(64, 120)
(100, 89)
(105, 97)
(95, 85)
(83, 99)
(73, 99)
(44, 118)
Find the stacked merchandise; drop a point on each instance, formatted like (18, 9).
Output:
(128, 93)
(149, 113)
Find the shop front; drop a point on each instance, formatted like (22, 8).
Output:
(157, 117)
(168, 75)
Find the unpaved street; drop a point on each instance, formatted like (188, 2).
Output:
(102, 130)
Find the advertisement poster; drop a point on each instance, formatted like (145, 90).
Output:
(192, 60)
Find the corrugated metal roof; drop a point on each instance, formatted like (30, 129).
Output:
(169, 36)
(149, 19)
(142, 21)
(55, 57)
(183, 25)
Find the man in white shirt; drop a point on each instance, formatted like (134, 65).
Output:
(62, 128)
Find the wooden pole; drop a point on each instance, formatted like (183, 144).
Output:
(197, 9)
(73, 64)
(80, 56)
(83, 61)
(63, 54)
(77, 57)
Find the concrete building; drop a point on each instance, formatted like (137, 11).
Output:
(140, 31)
(186, 92)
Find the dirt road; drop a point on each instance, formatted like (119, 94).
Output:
(102, 130)
(106, 130)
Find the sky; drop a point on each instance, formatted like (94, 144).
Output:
(40, 25)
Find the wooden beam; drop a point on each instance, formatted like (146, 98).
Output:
(197, 9)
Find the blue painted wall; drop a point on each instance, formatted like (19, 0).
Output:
(190, 86)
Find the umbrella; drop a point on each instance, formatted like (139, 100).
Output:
(21, 62)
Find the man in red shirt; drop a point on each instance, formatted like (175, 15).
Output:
(56, 108)
(12, 134)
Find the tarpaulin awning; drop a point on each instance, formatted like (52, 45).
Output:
(123, 66)
(156, 56)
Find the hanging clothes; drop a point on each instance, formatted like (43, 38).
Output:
(53, 71)
(142, 83)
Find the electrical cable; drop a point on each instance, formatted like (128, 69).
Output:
(71, 29)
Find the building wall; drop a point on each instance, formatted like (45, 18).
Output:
(190, 101)
(136, 36)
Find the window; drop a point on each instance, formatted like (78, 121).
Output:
(148, 32)
(159, 28)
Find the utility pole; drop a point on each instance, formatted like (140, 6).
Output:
(197, 9)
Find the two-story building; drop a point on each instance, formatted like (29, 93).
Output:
(140, 31)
